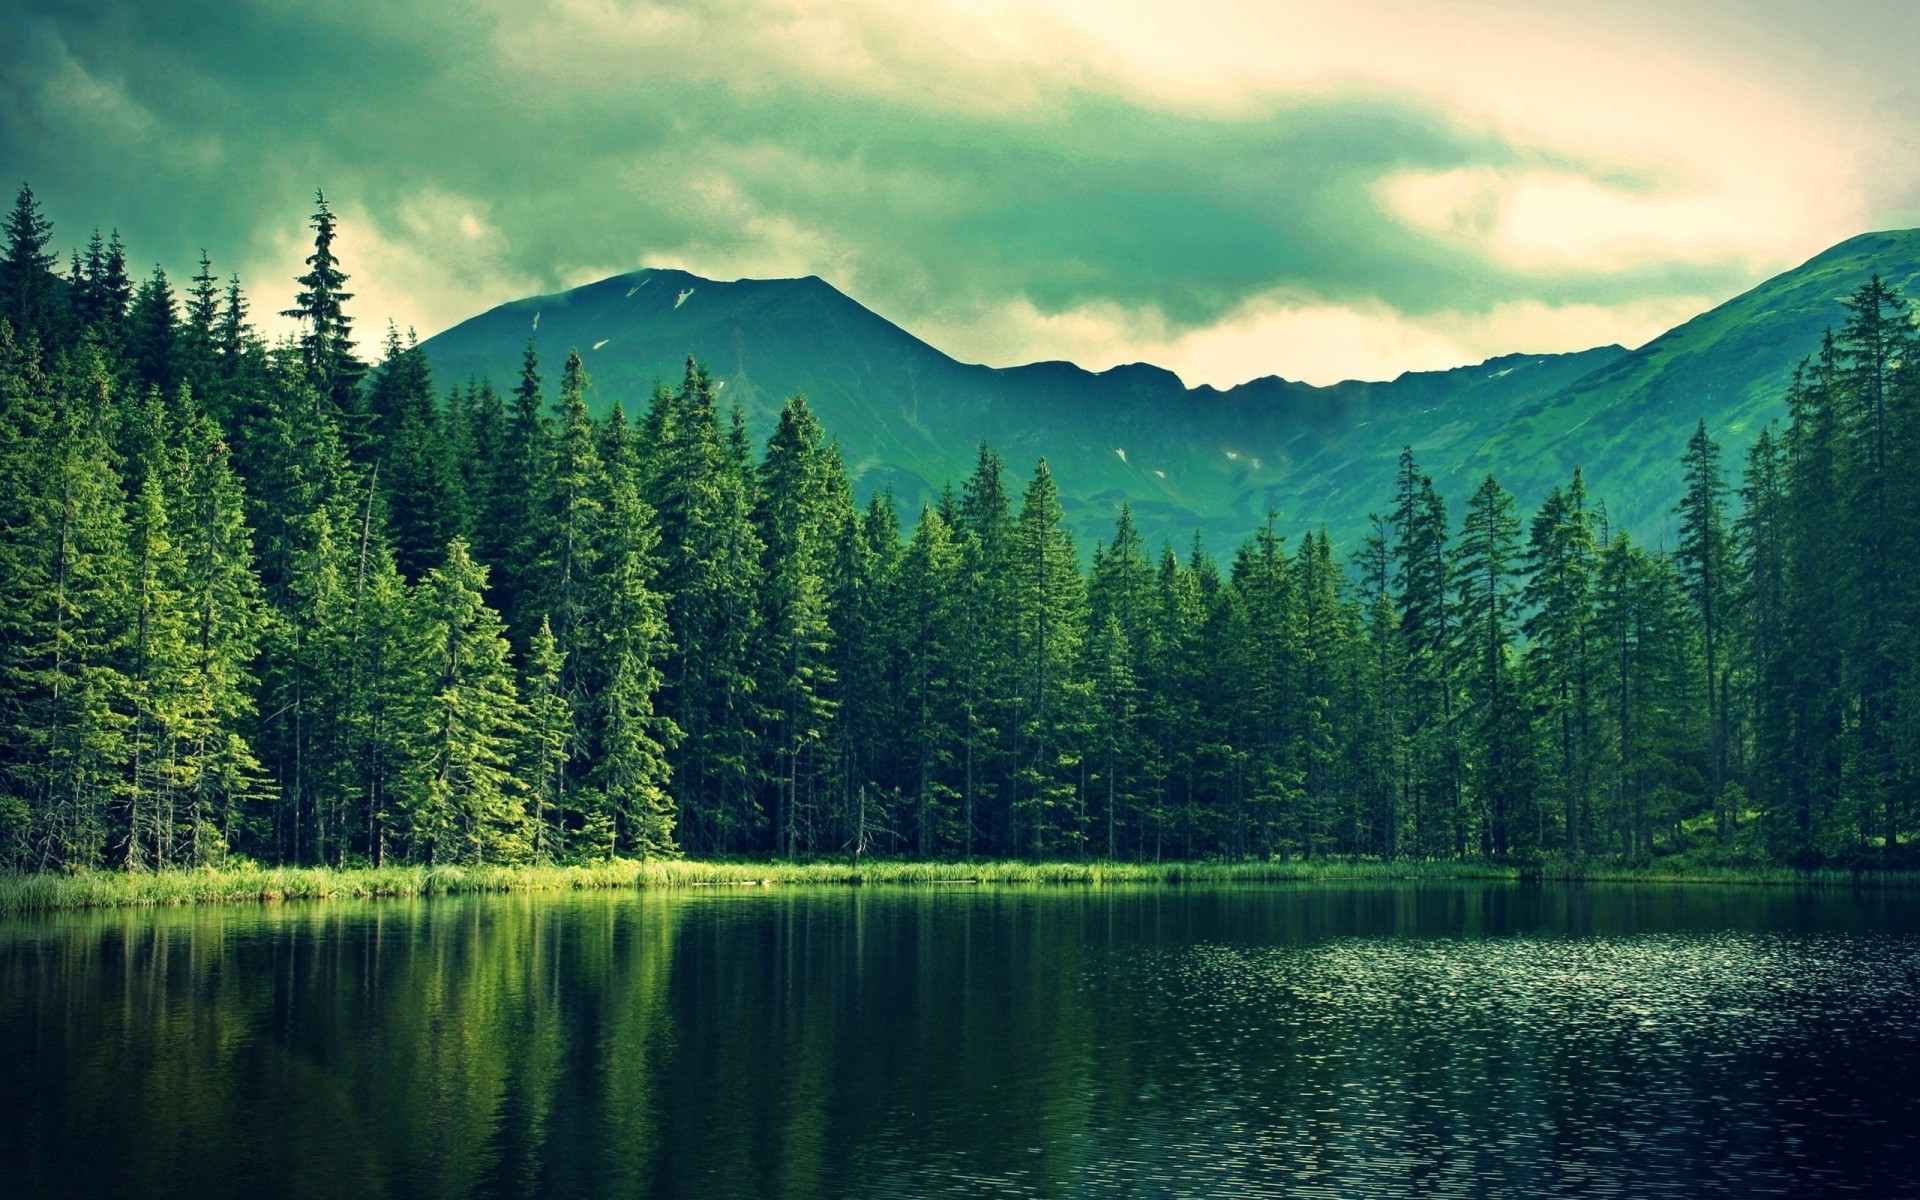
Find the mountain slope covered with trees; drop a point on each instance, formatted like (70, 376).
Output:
(907, 416)
(282, 602)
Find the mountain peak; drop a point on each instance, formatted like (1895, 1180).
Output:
(908, 417)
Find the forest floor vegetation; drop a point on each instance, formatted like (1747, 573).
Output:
(246, 883)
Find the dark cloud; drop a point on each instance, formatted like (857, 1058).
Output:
(209, 123)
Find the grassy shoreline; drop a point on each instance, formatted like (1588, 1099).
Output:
(21, 893)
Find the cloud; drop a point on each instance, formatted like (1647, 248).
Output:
(418, 266)
(1235, 187)
(1548, 222)
(1307, 340)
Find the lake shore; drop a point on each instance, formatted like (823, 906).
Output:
(249, 884)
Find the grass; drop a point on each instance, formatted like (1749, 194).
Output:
(248, 884)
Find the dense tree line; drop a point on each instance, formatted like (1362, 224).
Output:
(281, 602)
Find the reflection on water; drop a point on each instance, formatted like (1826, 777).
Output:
(1350, 1042)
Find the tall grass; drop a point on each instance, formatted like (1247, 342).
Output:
(252, 884)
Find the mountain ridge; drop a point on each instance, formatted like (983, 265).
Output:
(908, 416)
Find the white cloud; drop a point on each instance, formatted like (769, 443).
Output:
(429, 263)
(1632, 145)
(1550, 222)
(1301, 338)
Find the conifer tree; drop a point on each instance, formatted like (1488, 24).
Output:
(1558, 598)
(1705, 562)
(152, 331)
(28, 413)
(195, 345)
(625, 642)
(1811, 761)
(482, 463)
(1422, 581)
(928, 647)
(234, 332)
(1115, 745)
(1323, 642)
(547, 747)
(158, 657)
(326, 335)
(83, 285)
(802, 508)
(1264, 580)
(29, 286)
(1484, 571)
(114, 292)
(222, 597)
(870, 769)
(1877, 339)
(418, 476)
(460, 796)
(1049, 610)
(710, 559)
(988, 665)
(69, 612)
(1760, 531)
(1120, 617)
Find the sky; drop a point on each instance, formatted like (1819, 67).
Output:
(1228, 188)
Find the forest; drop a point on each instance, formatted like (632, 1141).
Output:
(281, 603)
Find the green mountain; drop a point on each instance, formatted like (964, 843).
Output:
(1627, 422)
(909, 417)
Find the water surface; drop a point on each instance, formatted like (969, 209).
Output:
(1462, 1040)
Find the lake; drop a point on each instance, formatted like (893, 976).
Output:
(1338, 1041)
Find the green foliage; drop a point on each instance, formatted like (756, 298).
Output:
(29, 288)
(241, 615)
(460, 796)
(326, 331)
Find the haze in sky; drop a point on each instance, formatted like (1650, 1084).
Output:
(1229, 188)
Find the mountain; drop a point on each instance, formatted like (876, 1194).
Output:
(909, 417)
(1627, 422)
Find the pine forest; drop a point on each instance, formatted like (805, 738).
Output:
(291, 604)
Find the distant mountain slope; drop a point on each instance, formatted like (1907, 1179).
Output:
(909, 417)
(1627, 422)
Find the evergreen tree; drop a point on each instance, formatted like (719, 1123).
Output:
(1558, 598)
(1422, 580)
(152, 331)
(710, 568)
(220, 591)
(930, 709)
(114, 292)
(1705, 562)
(326, 333)
(511, 506)
(29, 287)
(68, 614)
(1049, 611)
(196, 347)
(547, 746)
(625, 641)
(1120, 617)
(460, 797)
(1877, 339)
(418, 477)
(802, 508)
(870, 765)
(159, 657)
(1323, 645)
(561, 537)
(988, 667)
(233, 334)
(1811, 760)
(1485, 578)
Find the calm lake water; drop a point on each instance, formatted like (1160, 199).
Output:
(1249, 1041)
